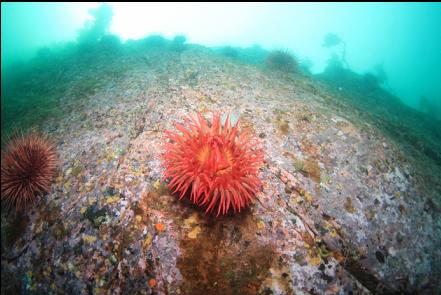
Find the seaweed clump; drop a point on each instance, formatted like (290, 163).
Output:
(282, 60)
(178, 43)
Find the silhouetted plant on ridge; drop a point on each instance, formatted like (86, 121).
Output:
(283, 61)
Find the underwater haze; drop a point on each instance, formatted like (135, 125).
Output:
(220, 148)
(401, 37)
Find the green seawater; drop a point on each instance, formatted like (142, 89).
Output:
(378, 64)
(383, 58)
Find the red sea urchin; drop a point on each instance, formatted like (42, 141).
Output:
(27, 169)
(215, 164)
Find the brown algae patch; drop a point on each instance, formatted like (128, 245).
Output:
(224, 258)
(309, 167)
(282, 126)
(348, 205)
(218, 255)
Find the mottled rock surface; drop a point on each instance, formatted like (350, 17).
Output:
(344, 209)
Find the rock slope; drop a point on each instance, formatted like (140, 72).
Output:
(343, 208)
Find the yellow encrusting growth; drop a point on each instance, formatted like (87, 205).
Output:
(203, 155)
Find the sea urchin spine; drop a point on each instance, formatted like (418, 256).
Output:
(27, 169)
(215, 165)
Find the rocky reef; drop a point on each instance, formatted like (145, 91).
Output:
(345, 207)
